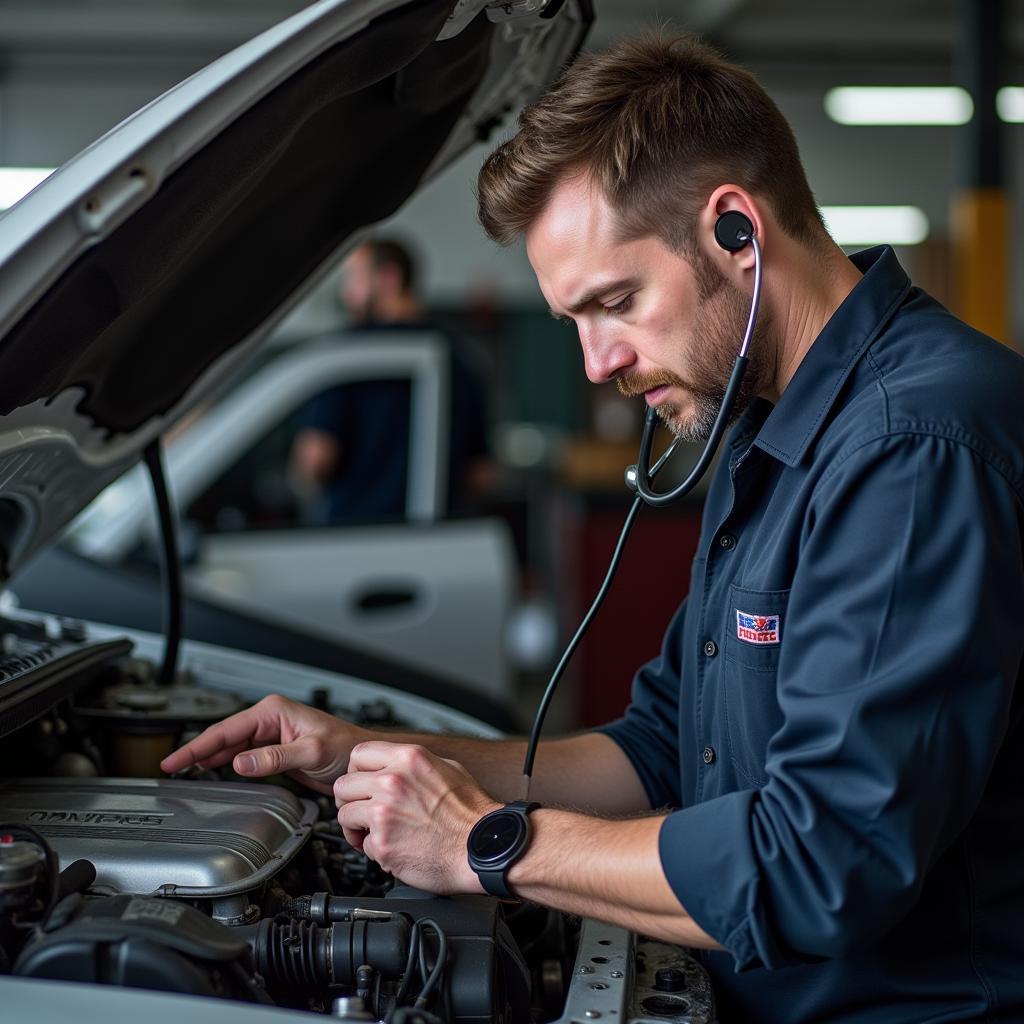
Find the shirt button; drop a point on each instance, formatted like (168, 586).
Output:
(709, 755)
(727, 541)
(710, 648)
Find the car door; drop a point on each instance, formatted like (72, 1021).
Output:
(430, 592)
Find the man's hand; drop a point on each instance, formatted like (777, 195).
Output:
(273, 737)
(412, 812)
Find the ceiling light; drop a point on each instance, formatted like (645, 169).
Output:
(878, 104)
(16, 182)
(1010, 104)
(876, 225)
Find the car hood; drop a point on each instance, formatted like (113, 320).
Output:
(140, 274)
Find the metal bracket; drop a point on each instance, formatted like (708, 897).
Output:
(498, 11)
(509, 10)
(615, 981)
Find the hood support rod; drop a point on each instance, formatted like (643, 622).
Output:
(170, 563)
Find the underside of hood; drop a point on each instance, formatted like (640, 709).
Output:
(141, 272)
(236, 229)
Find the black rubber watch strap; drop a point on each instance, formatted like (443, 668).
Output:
(495, 885)
(494, 879)
(522, 805)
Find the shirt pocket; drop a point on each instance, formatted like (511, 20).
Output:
(755, 630)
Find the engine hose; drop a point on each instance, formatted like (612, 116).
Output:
(303, 956)
(76, 877)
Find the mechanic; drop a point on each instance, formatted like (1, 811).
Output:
(818, 782)
(349, 461)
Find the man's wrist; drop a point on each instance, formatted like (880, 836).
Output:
(469, 879)
(353, 736)
(521, 873)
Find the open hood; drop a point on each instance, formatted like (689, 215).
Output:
(143, 271)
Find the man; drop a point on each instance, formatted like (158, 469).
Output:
(350, 459)
(830, 740)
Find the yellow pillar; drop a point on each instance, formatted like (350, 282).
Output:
(980, 233)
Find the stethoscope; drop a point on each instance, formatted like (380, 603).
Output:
(733, 232)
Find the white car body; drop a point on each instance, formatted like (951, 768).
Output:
(428, 592)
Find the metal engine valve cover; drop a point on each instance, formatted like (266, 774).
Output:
(165, 837)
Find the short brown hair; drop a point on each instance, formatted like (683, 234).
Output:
(389, 252)
(658, 122)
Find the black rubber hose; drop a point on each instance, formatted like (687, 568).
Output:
(440, 963)
(305, 957)
(170, 564)
(410, 960)
(76, 877)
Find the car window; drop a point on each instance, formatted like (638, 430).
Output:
(254, 493)
(260, 490)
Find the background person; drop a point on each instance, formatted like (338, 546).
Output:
(350, 460)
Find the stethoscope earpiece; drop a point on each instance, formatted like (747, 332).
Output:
(733, 230)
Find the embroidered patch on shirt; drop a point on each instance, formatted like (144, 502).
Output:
(758, 629)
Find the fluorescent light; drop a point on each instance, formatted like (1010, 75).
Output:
(876, 225)
(1010, 104)
(16, 182)
(899, 104)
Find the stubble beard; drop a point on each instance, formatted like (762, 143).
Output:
(719, 326)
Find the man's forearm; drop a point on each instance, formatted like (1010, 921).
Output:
(609, 870)
(588, 772)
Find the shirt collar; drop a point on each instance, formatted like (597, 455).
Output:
(794, 422)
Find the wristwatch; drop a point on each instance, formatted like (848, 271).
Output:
(496, 842)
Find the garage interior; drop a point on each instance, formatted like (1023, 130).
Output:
(71, 71)
(308, 501)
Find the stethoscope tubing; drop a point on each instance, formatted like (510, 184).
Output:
(570, 650)
(640, 478)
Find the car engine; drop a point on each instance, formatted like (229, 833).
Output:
(211, 886)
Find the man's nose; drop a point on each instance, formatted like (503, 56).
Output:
(604, 355)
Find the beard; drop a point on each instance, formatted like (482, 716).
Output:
(361, 314)
(718, 328)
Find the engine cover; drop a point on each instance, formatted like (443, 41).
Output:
(135, 941)
(165, 837)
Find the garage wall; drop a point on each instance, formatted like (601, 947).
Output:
(53, 104)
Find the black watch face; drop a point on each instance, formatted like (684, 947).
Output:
(496, 836)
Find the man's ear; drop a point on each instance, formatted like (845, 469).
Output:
(724, 199)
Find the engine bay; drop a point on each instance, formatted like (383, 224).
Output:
(247, 891)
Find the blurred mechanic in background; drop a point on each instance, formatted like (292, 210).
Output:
(349, 462)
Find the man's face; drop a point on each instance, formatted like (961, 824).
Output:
(656, 324)
(358, 285)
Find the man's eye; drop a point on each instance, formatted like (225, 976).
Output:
(620, 307)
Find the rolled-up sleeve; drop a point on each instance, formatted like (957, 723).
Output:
(648, 732)
(895, 682)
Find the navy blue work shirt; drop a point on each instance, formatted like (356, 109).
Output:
(836, 711)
